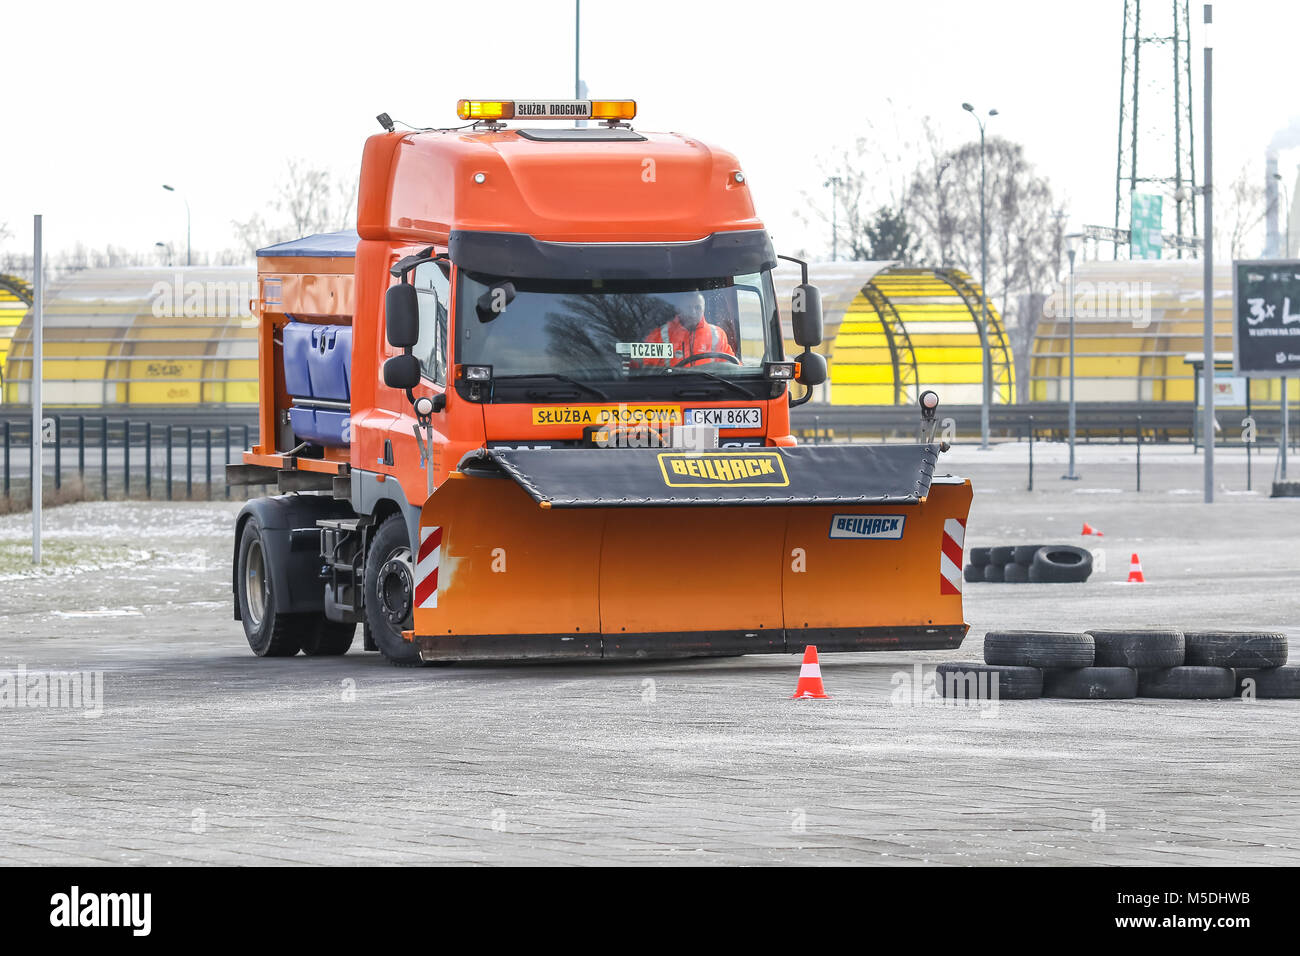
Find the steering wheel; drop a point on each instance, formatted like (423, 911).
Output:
(692, 359)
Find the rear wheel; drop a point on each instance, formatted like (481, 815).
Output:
(390, 588)
(269, 632)
(328, 638)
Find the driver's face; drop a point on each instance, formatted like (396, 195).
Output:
(691, 310)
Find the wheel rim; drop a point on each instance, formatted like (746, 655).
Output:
(396, 586)
(255, 583)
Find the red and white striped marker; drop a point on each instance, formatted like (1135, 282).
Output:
(950, 555)
(426, 567)
(1135, 571)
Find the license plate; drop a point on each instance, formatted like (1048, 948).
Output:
(725, 417)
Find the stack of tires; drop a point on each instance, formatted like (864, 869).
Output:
(1115, 664)
(1036, 563)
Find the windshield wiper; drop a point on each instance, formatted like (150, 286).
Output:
(734, 386)
(555, 377)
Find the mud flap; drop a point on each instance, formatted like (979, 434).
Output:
(606, 553)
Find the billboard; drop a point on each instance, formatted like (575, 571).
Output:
(1145, 225)
(1266, 317)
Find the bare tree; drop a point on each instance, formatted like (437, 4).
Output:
(1023, 222)
(1239, 212)
(309, 199)
(872, 176)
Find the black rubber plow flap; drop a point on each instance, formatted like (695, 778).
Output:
(804, 475)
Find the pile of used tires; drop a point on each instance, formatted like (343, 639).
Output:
(1113, 664)
(1037, 563)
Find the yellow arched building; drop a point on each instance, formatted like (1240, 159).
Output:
(892, 331)
(142, 336)
(1136, 321)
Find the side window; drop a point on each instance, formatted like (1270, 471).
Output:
(749, 305)
(433, 291)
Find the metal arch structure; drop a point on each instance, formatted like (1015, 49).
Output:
(901, 351)
(15, 301)
(18, 286)
(1003, 371)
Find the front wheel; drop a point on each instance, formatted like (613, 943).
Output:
(390, 589)
(270, 633)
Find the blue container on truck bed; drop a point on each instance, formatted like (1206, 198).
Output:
(318, 374)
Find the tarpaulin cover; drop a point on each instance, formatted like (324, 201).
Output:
(323, 245)
(804, 475)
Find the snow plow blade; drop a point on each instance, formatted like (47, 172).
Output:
(637, 553)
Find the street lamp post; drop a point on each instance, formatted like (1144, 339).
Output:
(834, 182)
(172, 189)
(1072, 241)
(987, 397)
(1207, 332)
(1286, 417)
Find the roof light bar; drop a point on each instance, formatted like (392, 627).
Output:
(494, 110)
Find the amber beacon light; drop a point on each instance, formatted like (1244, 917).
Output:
(493, 110)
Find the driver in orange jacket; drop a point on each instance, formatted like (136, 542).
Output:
(690, 334)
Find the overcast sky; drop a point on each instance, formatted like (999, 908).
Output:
(107, 101)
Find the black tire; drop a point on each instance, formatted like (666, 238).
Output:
(963, 680)
(1038, 649)
(1091, 683)
(1150, 647)
(1272, 683)
(1014, 573)
(1187, 683)
(1062, 564)
(1024, 554)
(269, 632)
(993, 572)
(1002, 554)
(391, 543)
(979, 556)
(1034, 576)
(328, 638)
(1236, 648)
(973, 573)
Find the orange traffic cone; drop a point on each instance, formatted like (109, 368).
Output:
(810, 678)
(1135, 571)
(1089, 529)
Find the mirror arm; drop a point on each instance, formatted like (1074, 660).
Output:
(802, 265)
(407, 263)
(796, 402)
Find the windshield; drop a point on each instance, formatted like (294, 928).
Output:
(613, 333)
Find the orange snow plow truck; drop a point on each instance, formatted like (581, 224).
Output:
(537, 406)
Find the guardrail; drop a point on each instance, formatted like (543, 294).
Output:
(1160, 421)
(96, 456)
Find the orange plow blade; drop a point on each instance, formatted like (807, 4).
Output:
(605, 554)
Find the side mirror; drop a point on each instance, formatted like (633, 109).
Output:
(806, 315)
(402, 316)
(495, 300)
(402, 371)
(812, 368)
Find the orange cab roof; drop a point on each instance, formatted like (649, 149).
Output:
(609, 186)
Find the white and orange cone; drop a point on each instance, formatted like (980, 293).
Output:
(1135, 571)
(810, 678)
(1089, 529)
